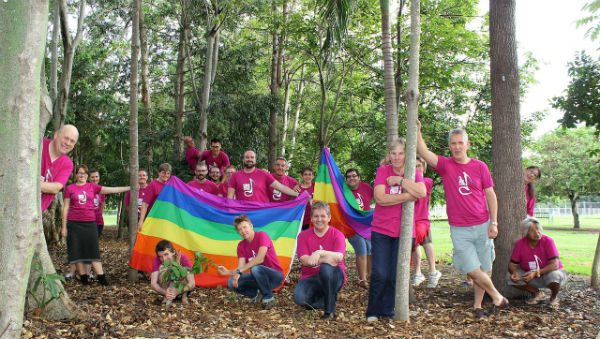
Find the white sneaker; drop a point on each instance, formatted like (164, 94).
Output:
(418, 279)
(434, 278)
(372, 319)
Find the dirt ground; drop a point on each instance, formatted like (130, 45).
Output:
(125, 310)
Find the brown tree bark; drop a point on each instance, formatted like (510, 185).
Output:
(146, 103)
(391, 110)
(506, 136)
(179, 97)
(275, 86)
(573, 198)
(596, 266)
(69, 46)
(412, 99)
(133, 130)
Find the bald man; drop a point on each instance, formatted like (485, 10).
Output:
(253, 184)
(56, 166)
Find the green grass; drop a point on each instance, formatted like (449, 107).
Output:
(576, 249)
(586, 221)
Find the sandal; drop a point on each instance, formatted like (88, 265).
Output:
(364, 284)
(539, 296)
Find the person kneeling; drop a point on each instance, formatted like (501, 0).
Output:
(321, 252)
(257, 257)
(534, 264)
(165, 252)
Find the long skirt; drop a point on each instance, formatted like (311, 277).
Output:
(82, 241)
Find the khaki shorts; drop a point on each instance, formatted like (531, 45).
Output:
(472, 248)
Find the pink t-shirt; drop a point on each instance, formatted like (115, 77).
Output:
(363, 194)
(221, 160)
(525, 256)
(81, 207)
(276, 195)
(530, 201)
(422, 205)
(253, 186)
(464, 186)
(308, 242)
(58, 170)
(311, 191)
(249, 250)
(99, 200)
(141, 195)
(206, 186)
(191, 157)
(184, 261)
(387, 219)
(152, 191)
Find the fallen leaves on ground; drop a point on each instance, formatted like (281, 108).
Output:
(125, 309)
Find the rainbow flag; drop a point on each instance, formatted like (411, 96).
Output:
(198, 221)
(331, 187)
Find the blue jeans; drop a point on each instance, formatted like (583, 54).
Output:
(320, 290)
(361, 245)
(383, 276)
(261, 278)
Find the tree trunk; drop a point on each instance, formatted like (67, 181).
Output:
(506, 136)
(399, 53)
(133, 131)
(297, 115)
(146, 103)
(574, 197)
(69, 47)
(275, 85)
(596, 266)
(121, 218)
(179, 98)
(206, 85)
(391, 110)
(286, 113)
(412, 98)
(23, 39)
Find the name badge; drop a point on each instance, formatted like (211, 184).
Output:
(395, 190)
(246, 187)
(533, 265)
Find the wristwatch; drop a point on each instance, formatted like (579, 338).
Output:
(238, 271)
(494, 223)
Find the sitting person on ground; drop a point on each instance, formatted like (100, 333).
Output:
(258, 272)
(422, 222)
(321, 252)
(534, 264)
(165, 252)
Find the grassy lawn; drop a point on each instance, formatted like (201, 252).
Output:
(587, 222)
(576, 248)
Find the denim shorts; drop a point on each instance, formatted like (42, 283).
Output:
(472, 248)
(362, 246)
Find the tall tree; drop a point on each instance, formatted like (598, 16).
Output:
(69, 47)
(133, 128)
(570, 159)
(22, 37)
(506, 134)
(391, 110)
(581, 102)
(145, 72)
(412, 100)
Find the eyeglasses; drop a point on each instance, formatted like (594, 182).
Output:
(81, 173)
(352, 176)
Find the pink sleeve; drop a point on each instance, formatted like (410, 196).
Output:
(419, 177)
(551, 249)
(302, 245)
(264, 240)
(68, 192)
(380, 177)
(150, 195)
(156, 264)
(340, 243)
(441, 165)
(64, 172)
(515, 258)
(268, 178)
(232, 182)
(486, 177)
(226, 162)
(127, 197)
(97, 189)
